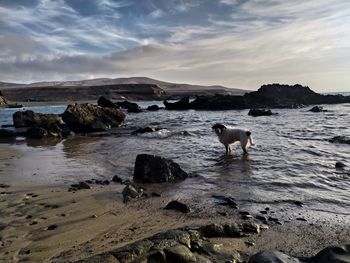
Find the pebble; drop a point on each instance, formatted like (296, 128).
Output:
(298, 203)
(52, 227)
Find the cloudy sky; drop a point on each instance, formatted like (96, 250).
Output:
(236, 43)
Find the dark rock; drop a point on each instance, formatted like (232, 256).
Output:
(145, 130)
(131, 191)
(251, 228)
(37, 133)
(14, 106)
(117, 179)
(261, 218)
(52, 227)
(219, 102)
(340, 139)
(4, 186)
(274, 219)
(301, 219)
(155, 169)
(91, 118)
(155, 194)
(176, 205)
(260, 112)
(317, 109)
(7, 134)
(340, 165)
(29, 118)
(245, 217)
(130, 106)
(81, 185)
(298, 203)
(182, 104)
(153, 108)
(336, 254)
(272, 256)
(106, 103)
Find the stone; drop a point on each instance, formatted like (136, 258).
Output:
(178, 206)
(340, 165)
(340, 139)
(130, 106)
(155, 169)
(131, 191)
(179, 253)
(106, 103)
(272, 256)
(337, 254)
(182, 104)
(298, 203)
(30, 118)
(37, 133)
(260, 112)
(317, 109)
(91, 118)
(117, 179)
(7, 134)
(226, 200)
(145, 130)
(153, 108)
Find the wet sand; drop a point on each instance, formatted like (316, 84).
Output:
(50, 224)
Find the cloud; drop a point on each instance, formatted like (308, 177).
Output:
(236, 43)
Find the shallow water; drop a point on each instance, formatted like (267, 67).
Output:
(291, 159)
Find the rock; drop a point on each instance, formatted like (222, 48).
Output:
(317, 109)
(117, 179)
(7, 134)
(91, 118)
(226, 200)
(272, 256)
(131, 191)
(14, 106)
(245, 217)
(106, 103)
(179, 253)
(145, 130)
(52, 227)
(80, 186)
(130, 106)
(4, 186)
(3, 101)
(340, 139)
(301, 219)
(298, 203)
(260, 112)
(338, 165)
(261, 218)
(155, 169)
(153, 108)
(219, 102)
(182, 104)
(176, 205)
(337, 254)
(37, 133)
(29, 118)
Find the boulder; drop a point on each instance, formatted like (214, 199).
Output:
(131, 191)
(30, 118)
(3, 101)
(155, 169)
(339, 254)
(106, 103)
(178, 206)
(37, 133)
(117, 179)
(317, 109)
(7, 134)
(130, 106)
(340, 165)
(153, 108)
(219, 102)
(91, 118)
(340, 139)
(182, 104)
(260, 112)
(272, 256)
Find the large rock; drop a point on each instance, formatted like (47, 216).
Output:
(182, 104)
(260, 112)
(340, 139)
(272, 256)
(91, 118)
(317, 109)
(3, 101)
(132, 107)
(30, 118)
(155, 169)
(106, 103)
(336, 254)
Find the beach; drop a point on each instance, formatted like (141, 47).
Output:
(294, 181)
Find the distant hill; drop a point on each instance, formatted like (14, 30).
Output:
(132, 88)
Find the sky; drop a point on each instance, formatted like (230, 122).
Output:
(235, 43)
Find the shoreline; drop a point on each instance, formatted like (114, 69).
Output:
(94, 221)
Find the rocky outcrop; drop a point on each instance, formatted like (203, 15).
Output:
(260, 112)
(155, 169)
(3, 101)
(153, 108)
(106, 103)
(182, 104)
(268, 96)
(132, 107)
(30, 118)
(178, 245)
(91, 118)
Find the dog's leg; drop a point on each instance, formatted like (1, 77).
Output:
(227, 147)
(244, 145)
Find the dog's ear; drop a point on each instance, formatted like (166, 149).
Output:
(218, 128)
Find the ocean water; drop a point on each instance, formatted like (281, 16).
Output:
(291, 159)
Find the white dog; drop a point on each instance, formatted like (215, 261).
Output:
(228, 136)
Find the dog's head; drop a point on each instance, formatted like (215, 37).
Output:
(218, 128)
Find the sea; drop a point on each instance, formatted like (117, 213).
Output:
(292, 159)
